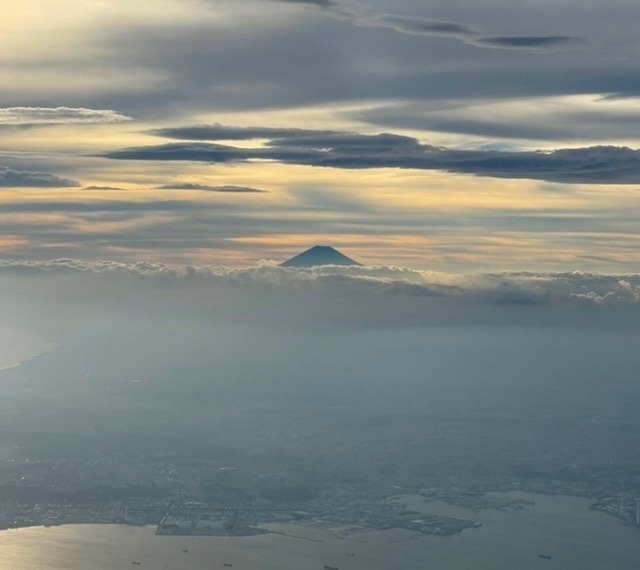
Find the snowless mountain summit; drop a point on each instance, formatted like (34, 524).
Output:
(319, 255)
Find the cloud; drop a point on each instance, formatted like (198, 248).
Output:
(183, 227)
(230, 189)
(537, 43)
(416, 25)
(223, 133)
(420, 26)
(33, 116)
(592, 165)
(254, 67)
(103, 188)
(320, 3)
(55, 292)
(560, 118)
(10, 178)
(94, 207)
(335, 149)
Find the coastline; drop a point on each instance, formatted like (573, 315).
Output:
(558, 526)
(37, 347)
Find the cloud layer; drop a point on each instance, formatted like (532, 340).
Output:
(209, 188)
(528, 108)
(335, 149)
(582, 118)
(359, 15)
(59, 294)
(500, 289)
(32, 116)
(10, 178)
(543, 43)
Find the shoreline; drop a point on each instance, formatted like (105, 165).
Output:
(415, 501)
(51, 346)
(558, 526)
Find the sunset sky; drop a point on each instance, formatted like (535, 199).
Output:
(451, 135)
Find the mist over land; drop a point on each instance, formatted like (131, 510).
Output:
(257, 393)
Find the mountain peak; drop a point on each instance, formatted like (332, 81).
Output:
(319, 255)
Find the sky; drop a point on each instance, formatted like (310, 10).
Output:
(447, 136)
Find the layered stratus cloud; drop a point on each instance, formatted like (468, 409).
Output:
(203, 55)
(335, 149)
(546, 120)
(444, 136)
(424, 220)
(10, 178)
(359, 15)
(97, 188)
(210, 188)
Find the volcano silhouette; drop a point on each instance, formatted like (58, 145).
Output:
(319, 255)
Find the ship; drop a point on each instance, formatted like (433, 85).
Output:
(330, 567)
(545, 556)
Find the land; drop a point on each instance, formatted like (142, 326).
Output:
(219, 492)
(215, 448)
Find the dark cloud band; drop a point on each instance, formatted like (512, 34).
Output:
(10, 178)
(229, 189)
(420, 26)
(416, 26)
(335, 149)
(104, 188)
(528, 42)
(320, 3)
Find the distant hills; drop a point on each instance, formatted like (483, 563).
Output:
(319, 255)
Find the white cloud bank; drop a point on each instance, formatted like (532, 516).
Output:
(53, 297)
(535, 288)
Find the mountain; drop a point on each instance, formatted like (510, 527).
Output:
(319, 255)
